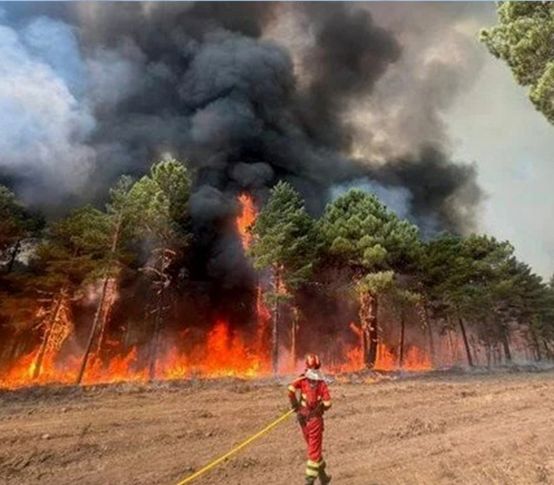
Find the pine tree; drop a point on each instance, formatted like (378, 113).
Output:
(361, 233)
(284, 242)
(72, 253)
(158, 203)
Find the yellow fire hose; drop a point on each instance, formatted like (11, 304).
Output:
(236, 449)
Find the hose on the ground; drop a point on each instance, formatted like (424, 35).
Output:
(236, 449)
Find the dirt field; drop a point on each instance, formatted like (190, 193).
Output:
(446, 428)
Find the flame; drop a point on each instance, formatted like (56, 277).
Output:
(118, 369)
(246, 219)
(244, 222)
(415, 360)
(223, 352)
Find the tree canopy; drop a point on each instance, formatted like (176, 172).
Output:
(524, 38)
(360, 231)
(285, 238)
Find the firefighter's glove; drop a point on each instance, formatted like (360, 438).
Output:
(295, 405)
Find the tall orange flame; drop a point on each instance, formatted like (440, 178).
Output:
(246, 219)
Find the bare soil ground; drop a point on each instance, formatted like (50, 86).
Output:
(450, 428)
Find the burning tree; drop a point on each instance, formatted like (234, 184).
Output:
(362, 234)
(285, 242)
(402, 300)
(158, 203)
(118, 215)
(150, 212)
(70, 256)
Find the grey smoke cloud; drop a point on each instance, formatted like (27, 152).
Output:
(44, 121)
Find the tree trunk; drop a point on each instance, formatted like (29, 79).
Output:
(453, 351)
(373, 333)
(277, 289)
(466, 343)
(155, 339)
(537, 347)
(429, 332)
(293, 331)
(13, 256)
(506, 346)
(275, 339)
(100, 306)
(364, 314)
(46, 337)
(498, 355)
(93, 331)
(475, 348)
(368, 321)
(105, 315)
(549, 352)
(14, 351)
(402, 335)
(165, 258)
(126, 336)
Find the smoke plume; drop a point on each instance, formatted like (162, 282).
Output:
(248, 93)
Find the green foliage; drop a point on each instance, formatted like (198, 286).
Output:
(476, 278)
(524, 38)
(375, 283)
(119, 196)
(76, 249)
(462, 273)
(173, 180)
(360, 231)
(284, 237)
(155, 206)
(479, 279)
(16, 222)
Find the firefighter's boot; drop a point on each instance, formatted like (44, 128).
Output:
(312, 472)
(324, 479)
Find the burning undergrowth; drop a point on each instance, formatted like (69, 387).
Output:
(248, 102)
(123, 351)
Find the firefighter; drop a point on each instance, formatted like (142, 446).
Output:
(309, 397)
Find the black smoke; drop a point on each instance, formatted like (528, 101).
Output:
(204, 83)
